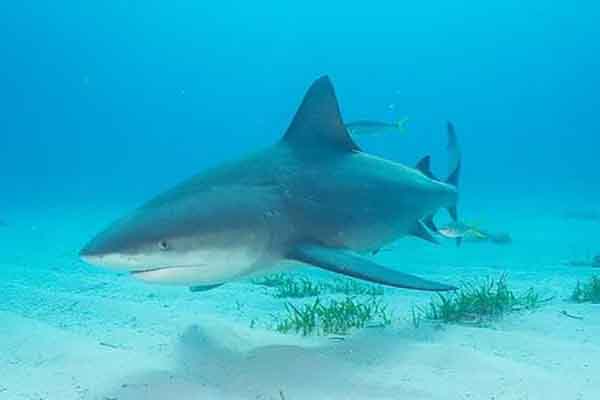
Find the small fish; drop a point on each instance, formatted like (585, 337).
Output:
(567, 314)
(456, 230)
(500, 238)
(461, 231)
(582, 215)
(593, 263)
(365, 127)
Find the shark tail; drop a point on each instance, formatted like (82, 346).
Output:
(454, 166)
(424, 165)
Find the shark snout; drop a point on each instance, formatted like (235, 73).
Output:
(93, 259)
(106, 251)
(93, 256)
(102, 244)
(90, 251)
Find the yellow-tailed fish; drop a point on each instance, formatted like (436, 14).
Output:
(368, 127)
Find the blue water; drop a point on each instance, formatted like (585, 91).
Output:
(114, 100)
(105, 104)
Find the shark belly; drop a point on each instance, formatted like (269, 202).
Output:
(360, 203)
(362, 226)
(225, 265)
(369, 234)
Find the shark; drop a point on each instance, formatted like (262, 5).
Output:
(314, 198)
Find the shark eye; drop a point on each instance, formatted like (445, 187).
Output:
(163, 245)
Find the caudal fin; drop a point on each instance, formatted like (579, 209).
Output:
(454, 165)
(454, 156)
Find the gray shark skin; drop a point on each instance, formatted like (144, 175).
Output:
(314, 197)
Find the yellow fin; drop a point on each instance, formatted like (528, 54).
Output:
(479, 235)
(401, 124)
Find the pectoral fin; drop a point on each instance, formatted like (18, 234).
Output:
(347, 263)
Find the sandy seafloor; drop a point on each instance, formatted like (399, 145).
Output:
(69, 331)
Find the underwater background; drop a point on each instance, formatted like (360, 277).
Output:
(118, 100)
(105, 104)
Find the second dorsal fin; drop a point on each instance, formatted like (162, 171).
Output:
(318, 124)
(424, 165)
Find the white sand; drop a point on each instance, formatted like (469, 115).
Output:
(71, 332)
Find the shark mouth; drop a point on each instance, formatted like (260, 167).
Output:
(179, 275)
(157, 269)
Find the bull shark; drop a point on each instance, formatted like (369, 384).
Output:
(313, 197)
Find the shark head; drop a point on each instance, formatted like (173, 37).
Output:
(203, 236)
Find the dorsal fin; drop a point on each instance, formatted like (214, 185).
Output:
(318, 123)
(425, 167)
